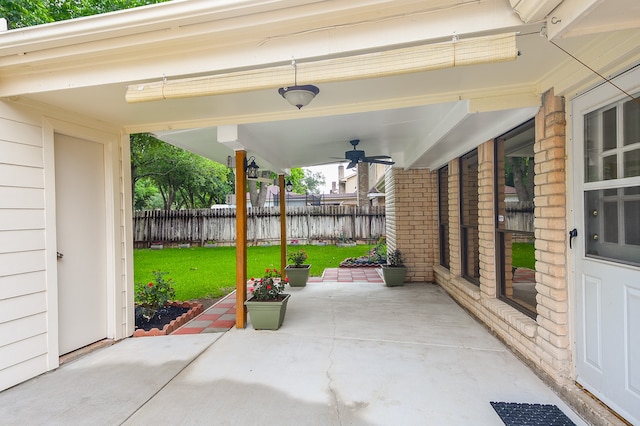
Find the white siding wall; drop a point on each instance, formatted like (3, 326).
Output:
(23, 339)
(28, 287)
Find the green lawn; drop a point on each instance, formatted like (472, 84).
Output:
(523, 255)
(210, 272)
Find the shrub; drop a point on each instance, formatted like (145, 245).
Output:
(151, 297)
(298, 257)
(268, 287)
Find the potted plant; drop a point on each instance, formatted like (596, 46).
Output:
(394, 272)
(297, 272)
(211, 244)
(267, 305)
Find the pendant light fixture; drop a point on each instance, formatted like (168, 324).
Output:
(298, 96)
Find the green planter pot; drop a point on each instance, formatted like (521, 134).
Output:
(267, 315)
(394, 275)
(297, 276)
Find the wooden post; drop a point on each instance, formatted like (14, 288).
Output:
(283, 226)
(241, 240)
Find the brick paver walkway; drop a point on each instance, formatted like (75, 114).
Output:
(222, 316)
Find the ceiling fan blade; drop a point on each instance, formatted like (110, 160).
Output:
(373, 160)
(377, 157)
(352, 164)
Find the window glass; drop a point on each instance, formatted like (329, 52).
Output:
(470, 243)
(443, 203)
(515, 236)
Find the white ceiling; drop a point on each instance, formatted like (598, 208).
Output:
(421, 120)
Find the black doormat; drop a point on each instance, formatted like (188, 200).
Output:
(516, 414)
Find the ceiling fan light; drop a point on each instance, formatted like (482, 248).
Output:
(299, 96)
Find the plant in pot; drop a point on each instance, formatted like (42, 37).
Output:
(267, 305)
(297, 272)
(394, 272)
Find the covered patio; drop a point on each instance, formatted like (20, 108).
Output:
(348, 353)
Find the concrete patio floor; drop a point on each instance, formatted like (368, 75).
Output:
(347, 354)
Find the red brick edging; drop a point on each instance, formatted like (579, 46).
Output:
(195, 310)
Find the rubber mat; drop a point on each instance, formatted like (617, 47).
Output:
(517, 414)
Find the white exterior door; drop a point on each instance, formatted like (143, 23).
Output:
(81, 241)
(606, 250)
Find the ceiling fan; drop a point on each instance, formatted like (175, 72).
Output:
(356, 156)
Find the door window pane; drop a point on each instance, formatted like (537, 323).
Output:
(611, 222)
(609, 129)
(632, 223)
(631, 124)
(613, 225)
(632, 163)
(591, 137)
(610, 167)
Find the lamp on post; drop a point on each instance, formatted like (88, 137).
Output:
(288, 185)
(298, 96)
(251, 168)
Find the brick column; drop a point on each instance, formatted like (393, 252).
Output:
(550, 230)
(486, 221)
(412, 219)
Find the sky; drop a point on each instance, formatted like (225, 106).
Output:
(330, 172)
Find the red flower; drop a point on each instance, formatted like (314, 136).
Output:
(251, 289)
(150, 284)
(287, 279)
(268, 286)
(268, 270)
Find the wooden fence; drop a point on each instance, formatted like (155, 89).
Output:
(306, 224)
(520, 218)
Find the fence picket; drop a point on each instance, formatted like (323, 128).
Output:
(306, 224)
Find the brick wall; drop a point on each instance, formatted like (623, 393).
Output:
(412, 220)
(550, 230)
(543, 342)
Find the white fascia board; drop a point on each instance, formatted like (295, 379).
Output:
(607, 54)
(201, 38)
(473, 131)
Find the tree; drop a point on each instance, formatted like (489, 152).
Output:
(519, 173)
(312, 182)
(181, 178)
(26, 13)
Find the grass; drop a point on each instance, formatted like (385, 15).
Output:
(211, 272)
(523, 255)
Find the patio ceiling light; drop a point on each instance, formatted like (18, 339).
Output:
(298, 96)
(453, 53)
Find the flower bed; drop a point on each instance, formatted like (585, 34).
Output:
(195, 309)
